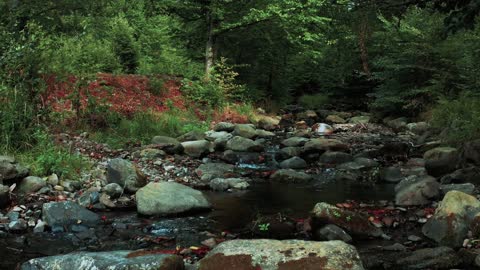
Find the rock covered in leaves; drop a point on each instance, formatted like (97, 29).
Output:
(278, 255)
(126, 174)
(168, 198)
(111, 260)
(354, 223)
(450, 223)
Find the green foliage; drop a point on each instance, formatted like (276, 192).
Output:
(204, 93)
(156, 86)
(124, 44)
(225, 76)
(459, 118)
(46, 158)
(314, 102)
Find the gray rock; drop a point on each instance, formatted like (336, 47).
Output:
(152, 153)
(18, 225)
(335, 119)
(391, 175)
(288, 152)
(215, 135)
(113, 190)
(168, 198)
(31, 184)
(333, 232)
(110, 260)
(224, 126)
(416, 190)
(359, 119)
(71, 186)
(10, 169)
(295, 141)
(168, 144)
(441, 160)
(398, 123)
(467, 188)
(241, 144)
(221, 184)
(277, 255)
(323, 145)
(53, 179)
(418, 128)
(234, 157)
(293, 163)
(245, 130)
(68, 213)
(88, 198)
(39, 227)
(124, 173)
(290, 176)
(193, 135)
(210, 171)
(354, 223)
(430, 258)
(471, 152)
(197, 149)
(450, 223)
(464, 175)
(264, 134)
(331, 157)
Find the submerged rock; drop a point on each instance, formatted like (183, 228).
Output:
(111, 260)
(124, 173)
(354, 223)
(430, 258)
(282, 255)
(168, 198)
(450, 223)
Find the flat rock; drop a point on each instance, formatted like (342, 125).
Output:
(290, 176)
(430, 258)
(241, 144)
(244, 130)
(210, 171)
(221, 184)
(111, 260)
(323, 145)
(168, 198)
(281, 255)
(68, 213)
(197, 149)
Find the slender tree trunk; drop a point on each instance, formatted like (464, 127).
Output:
(209, 46)
(363, 35)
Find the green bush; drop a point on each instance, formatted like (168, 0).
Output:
(459, 119)
(313, 102)
(124, 44)
(156, 86)
(204, 93)
(45, 158)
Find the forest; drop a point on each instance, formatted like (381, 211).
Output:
(200, 134)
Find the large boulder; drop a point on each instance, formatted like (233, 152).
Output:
(209, 171)
(290, 176)
(245, 130)
(10, 169)
(471, 152)
(323, 145)
(416, 190)
(169, 198)
(68, 214)
(356, 224)
(31, 184)
(441, 160)
(110, 260)
(241, 144)
(450, 223)
(197, 149)
(282, 255)
(126, 174)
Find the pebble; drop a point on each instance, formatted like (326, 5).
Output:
(40, 227)
(414, 238)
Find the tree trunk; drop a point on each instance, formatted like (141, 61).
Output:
(363, 35)
(209, 56)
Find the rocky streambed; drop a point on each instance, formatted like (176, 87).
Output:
(307, 190)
